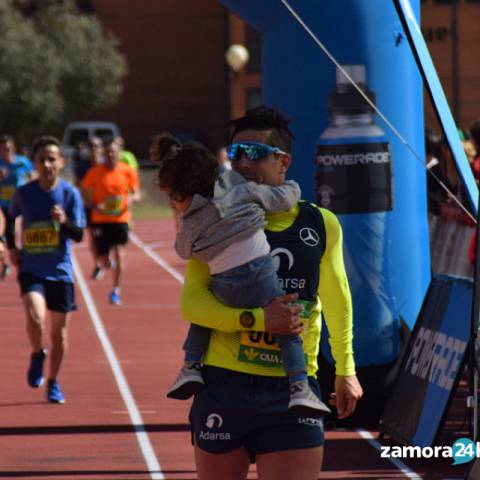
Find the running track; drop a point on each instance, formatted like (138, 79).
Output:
(117, 423)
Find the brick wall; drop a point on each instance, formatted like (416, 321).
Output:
(437, 29)
(177, 75)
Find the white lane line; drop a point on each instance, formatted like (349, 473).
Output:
(156, 244)
(156, 257)
(142, 437)
(377, 445)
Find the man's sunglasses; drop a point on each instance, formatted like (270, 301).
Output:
(253, 151)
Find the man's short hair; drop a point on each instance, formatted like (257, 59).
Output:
(110, 141)
(265, 118)
(44, 141)
(6, 139)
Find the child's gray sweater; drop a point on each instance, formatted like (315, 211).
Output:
(235, 213)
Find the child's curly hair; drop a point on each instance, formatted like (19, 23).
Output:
(185, 169)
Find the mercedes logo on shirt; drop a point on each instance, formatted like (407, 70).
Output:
(309, 237)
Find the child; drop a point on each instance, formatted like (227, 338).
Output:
(222, 224)
(52, 215)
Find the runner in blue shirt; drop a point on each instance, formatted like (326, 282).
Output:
(52, 215)
(15, 170)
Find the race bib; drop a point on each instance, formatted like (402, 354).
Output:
(41, 237)
(113, 205)
(7, 191)
(261, 348)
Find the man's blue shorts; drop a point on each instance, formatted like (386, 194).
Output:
(60, 296)
(237, 409)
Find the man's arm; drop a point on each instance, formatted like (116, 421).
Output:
(71, 229)
(337, 307)
(87, 194)
(200, 306)
(134, 195)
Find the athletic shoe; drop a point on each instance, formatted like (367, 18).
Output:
(35, 370)
(304, 402)
(114, 298)
(6, 271)
(54, 393)
(188, 383)
(97, 273)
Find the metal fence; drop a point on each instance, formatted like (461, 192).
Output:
(449, 242)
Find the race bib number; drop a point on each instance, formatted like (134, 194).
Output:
(261, 348)
(41, 237)
(7, 191)
(113, 205)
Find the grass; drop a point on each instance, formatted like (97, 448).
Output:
(146, 210)
(153, 203)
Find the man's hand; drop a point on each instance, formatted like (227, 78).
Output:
(281, 318)
(348, 392)
(58, 214)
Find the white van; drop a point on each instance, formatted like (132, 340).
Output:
(76, 132)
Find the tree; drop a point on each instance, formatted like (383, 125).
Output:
(55, 66)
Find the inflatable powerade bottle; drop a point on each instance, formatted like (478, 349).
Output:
(354, 180)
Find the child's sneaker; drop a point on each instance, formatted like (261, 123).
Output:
(35, 370)
(188, 383)
(304, 402)
(114, 298)
(54, 393)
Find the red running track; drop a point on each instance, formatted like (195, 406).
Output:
(117, 422)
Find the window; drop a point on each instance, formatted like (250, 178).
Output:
(77, 136)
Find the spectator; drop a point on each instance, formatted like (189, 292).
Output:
(475, 137)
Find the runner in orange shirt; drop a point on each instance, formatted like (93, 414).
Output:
(110, 189)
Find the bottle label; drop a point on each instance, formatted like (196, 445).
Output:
(354, 177)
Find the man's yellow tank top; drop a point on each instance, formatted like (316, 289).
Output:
(293, 237)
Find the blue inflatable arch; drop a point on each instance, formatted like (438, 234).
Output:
(386, 240)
